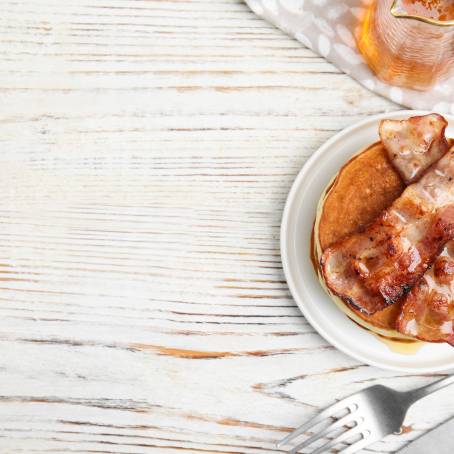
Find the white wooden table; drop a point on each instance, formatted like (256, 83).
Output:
(147, 148)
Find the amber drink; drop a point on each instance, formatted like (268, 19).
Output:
(409, 43)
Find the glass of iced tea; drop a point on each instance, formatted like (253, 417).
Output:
(409, 43)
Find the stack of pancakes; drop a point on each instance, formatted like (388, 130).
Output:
(363, 188)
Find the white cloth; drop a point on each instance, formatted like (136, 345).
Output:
(328, 27)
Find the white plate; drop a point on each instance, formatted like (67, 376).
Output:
(316, 305)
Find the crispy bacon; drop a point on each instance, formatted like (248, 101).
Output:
(346, 284)
(413, 145)
(428, 312)
(393, 252)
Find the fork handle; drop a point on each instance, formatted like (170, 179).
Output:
(417, 394)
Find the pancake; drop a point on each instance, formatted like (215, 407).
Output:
(365, 186)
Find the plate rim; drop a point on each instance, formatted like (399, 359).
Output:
(284, 241)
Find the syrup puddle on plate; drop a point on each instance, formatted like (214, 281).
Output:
(402, 346)
(399, 345)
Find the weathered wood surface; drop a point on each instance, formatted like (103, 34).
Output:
(147, 150)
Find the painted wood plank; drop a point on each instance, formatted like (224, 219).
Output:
(147, 150)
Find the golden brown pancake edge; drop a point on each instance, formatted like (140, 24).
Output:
(362, 189)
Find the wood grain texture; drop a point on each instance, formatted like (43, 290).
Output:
(147, 150)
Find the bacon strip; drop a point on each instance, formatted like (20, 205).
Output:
(428, 312)
(413, 145)
(344, 282)
(393, 252)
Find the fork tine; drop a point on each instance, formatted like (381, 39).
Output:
(344, 436)
(329, 411)
(339, 423)
(360, 444)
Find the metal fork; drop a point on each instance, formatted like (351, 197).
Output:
(365, 417)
